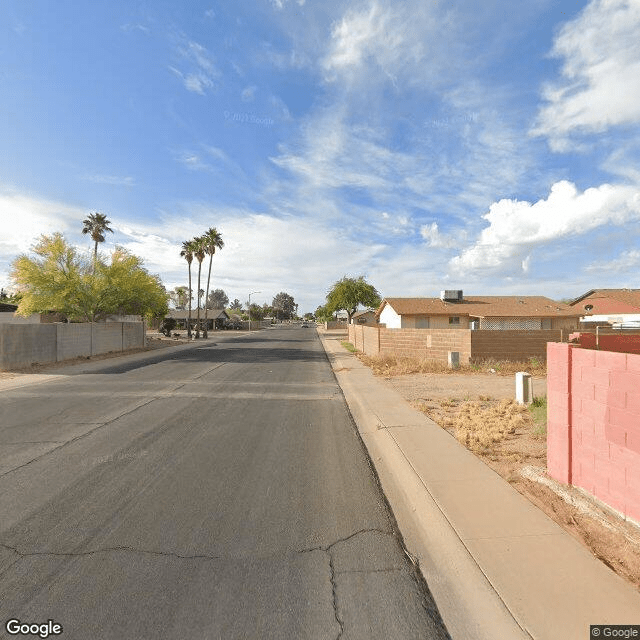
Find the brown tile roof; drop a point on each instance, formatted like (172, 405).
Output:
(483, 307)
(629, 300)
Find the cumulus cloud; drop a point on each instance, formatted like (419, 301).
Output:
(431, 233)
(600, 85)
(517, 227)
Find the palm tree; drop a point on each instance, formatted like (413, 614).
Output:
(199, 252)
(187, 253)
(212, 241)
(96, 224)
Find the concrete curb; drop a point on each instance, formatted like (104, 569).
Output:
(468, 604)
(497, 566)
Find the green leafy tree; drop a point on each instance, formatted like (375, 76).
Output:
(212, 240)
(218, 299)
(59, 279)
(284, 306)
(167, 326)
(236, 305)
(349, 293)
(256, 311)
(188, 248)
(96, 225)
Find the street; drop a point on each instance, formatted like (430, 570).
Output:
(218, 491)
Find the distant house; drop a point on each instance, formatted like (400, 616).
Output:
(453, 311)
(368, 316)
(609, 306)
(215, 317)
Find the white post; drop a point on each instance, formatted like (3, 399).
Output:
(524, 388)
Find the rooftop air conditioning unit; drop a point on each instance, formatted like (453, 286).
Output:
(451, 295)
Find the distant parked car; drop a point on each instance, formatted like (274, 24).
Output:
(305, 325)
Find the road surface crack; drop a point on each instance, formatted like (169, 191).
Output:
(333, 573)
(334, 593)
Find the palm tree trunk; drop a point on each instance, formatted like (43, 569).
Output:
(198, 310)
(206, 295)
(189, 320)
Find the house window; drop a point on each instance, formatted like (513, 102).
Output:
(454, 319)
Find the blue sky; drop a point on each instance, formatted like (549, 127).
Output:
(425, 145)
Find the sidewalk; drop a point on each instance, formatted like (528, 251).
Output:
(497, 566)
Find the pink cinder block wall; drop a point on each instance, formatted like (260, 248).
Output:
(593, 426)
(629, 343)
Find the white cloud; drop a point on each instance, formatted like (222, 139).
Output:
(516, 227)
(628, 261)
(25, 218)
(600, 84)
(280, 4)
(431, 233)
(259, 252)
(356, 36)
(124, 181)
(202, 70)
(248, 93)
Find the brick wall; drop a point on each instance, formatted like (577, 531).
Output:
(364, 338)
(593, 425)
(432, 344)
(620, 343)
(511, 345)
(435, 344)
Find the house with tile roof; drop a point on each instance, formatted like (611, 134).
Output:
(215, 317)
(453, 311)
(609, 306)
(364, 317)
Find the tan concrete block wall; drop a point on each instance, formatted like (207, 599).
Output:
(431, 344)
(512, 345)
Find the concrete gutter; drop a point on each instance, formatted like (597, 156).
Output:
(497, 566)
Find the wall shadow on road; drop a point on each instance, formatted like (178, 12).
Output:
(236, 354)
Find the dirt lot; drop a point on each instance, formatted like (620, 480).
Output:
(476, 408)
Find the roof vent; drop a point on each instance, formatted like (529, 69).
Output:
(451, 295)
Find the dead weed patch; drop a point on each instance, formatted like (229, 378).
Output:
(390, 365)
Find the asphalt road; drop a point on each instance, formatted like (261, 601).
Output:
(218, 491)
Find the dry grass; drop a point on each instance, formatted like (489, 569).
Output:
(482, 425)
(481, 428)
(390, 365)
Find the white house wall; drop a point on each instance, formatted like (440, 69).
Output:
(390, 318)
